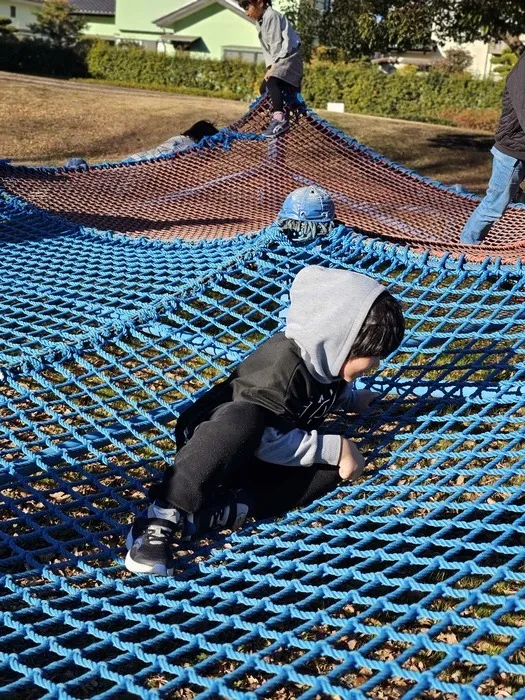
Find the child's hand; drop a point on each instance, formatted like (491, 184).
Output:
(351, 461)
(268, 73)
(362, 399)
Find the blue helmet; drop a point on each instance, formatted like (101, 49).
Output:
(308, 204)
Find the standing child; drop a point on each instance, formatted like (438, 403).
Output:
(250, 445)
(282, 55)
(508, 165)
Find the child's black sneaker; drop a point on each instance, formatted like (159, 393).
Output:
(149, 543)
(228, 511)
(276, 128)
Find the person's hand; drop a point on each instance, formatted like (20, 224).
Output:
(351, 461)
(362, 399)
(268, 73)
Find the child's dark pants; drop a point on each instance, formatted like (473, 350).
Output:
(276, 87)
(274, 489)
(221, 452)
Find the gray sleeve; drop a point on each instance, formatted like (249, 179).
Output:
(298, 448)
(275, 39)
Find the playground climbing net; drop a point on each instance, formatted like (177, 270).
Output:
(407, 584)
(235, 182)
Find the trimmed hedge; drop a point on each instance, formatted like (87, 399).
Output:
(37, 57)
(407, 95)
(363, 88)
(135, 66)
(432, 96)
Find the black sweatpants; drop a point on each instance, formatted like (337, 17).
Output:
(276, 87)
(221, 452)
(275, 489)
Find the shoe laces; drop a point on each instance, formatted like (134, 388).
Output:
(158, 534)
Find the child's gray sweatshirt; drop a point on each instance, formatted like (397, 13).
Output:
(328, 307)
(281, 47)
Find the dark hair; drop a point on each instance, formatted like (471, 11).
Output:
(382, 330)
(245, 4)
(303, 232)
(200, 129)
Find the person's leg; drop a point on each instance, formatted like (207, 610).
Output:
(273, 489)
(274, 86)
(507, 175)
(279, 123)
(262, 490)
(229, 436)
(259, 490)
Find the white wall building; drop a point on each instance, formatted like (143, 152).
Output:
(482, 53)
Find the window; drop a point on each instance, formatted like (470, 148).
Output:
(128, 42)
(12, 12)
(239, 53)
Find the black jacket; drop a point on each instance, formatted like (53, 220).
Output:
(510, 133)
(274, 377)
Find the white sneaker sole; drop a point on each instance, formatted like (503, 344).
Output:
(156, 570)
(136, 568)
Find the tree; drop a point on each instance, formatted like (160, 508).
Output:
(487, 20)
(7, 30)
(57, 23)
(505, 63)
(363, 27)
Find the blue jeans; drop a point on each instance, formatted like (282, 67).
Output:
(507, 175)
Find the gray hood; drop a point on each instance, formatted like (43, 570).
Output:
(327, 310)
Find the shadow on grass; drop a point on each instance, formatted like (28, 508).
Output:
(462, 142)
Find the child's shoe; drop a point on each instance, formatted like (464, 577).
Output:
(277, 127)
(229, 510)
(150, 540)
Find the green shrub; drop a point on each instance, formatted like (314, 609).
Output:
(134, 65)
(504, 63)
(364, 89)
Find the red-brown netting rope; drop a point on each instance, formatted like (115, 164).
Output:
(234, 186)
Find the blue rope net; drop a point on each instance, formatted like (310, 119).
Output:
(406, 584)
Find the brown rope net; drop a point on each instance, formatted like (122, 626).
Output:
(238, 185)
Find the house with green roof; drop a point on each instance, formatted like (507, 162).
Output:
(201, 28)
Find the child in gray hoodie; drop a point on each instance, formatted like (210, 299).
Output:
(282, 55)
(251, 444)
